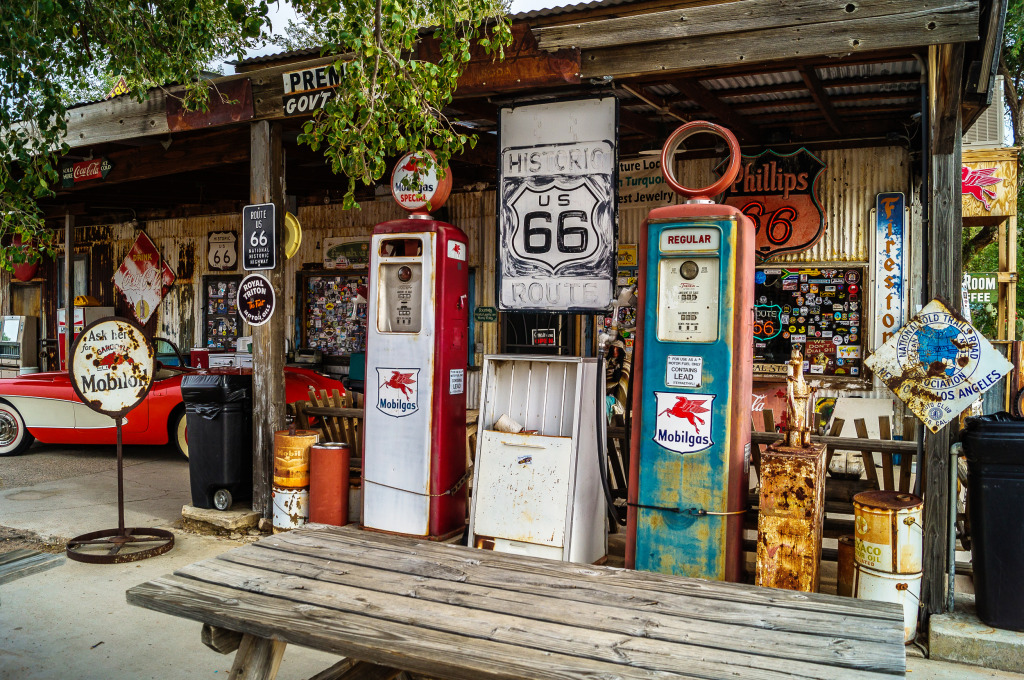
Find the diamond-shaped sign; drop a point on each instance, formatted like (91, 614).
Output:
(938, 365)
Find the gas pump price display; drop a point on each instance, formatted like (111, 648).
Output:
(688, 286)
(400, 309)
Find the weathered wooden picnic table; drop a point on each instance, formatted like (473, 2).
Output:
(448, 611)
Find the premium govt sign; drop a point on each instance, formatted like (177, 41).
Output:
(556, 206)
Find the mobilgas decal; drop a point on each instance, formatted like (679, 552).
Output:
(683, 421)
(398, 392)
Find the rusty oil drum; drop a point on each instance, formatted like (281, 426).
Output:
(888, 531)
(291, 457)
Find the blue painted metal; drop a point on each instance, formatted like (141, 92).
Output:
(680, 474)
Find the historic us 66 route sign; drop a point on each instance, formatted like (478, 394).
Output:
(938, 364)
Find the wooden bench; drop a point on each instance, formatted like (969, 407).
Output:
(448, 611)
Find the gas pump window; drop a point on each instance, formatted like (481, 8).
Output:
(688, 299)
(399, 297)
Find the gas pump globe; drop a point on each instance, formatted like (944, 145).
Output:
(414, 451)
(691, 410)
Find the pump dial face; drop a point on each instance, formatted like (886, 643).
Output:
(688, 299)
(689, 270)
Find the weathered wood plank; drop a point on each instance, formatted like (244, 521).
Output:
(29, 562)
(117, 118)
(952, 24)
(719, 593)
(350, 669)
(721, 19)
(220, 640)
(851, 443)
(257, 659)
(612, 617)
(420, 650)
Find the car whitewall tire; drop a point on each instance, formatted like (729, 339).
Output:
(14, 437)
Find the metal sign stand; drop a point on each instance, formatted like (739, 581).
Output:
(116, 546)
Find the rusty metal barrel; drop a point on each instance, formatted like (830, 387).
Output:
(329, 483)
(844, 569)
(888, 531)
(290, 491)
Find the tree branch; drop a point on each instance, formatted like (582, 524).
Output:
(985, 237)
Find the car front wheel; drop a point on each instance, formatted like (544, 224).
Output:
(178, 431)
(14, 437)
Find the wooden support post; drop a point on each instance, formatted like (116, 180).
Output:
(1011, 288)
(945, 66)
(257, 659)
(69, 286)
(266, 185)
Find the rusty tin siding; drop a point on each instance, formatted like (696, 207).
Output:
(847, 190)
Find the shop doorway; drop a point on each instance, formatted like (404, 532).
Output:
(27, 300)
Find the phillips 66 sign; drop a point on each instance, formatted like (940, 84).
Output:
(556, 210)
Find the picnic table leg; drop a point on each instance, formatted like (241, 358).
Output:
(257, 659)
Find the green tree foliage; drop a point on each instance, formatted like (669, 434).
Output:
(53, 53)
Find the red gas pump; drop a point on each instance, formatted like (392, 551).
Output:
(414, 451)
(694, 348)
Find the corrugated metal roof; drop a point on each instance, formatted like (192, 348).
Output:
(277, 56)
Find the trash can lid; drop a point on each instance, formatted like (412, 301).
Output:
(219, 389)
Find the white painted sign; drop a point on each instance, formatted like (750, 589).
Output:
(556, 206)
(309, 89)
(456, 381)
(682, 371)
(889, 240)
(111, 366)
(457, 250)
(683, 423)
(222, 251)
(398, 391)
(938, 364)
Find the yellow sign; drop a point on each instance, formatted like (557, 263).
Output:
(627, 255)
(120, 87)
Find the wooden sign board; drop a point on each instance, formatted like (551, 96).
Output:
(989, 183)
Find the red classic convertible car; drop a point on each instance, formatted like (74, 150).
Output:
(44, 406)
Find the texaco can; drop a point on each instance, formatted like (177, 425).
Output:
(903, 589)
(888, 531)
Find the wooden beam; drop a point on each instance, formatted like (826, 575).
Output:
(951, 23)
(820, 97)
(69, 290)
(945, 66)
(654, 100)
(220, 640)
(184, 155)
(710, 102)
(257, 659)
(719, 19)
(267, 186)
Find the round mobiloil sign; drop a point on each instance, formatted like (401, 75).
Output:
(414, 185)
(112, 366)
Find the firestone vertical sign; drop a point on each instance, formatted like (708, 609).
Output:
(556, 206)
(890, 266)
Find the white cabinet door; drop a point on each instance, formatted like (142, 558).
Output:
(522, 487)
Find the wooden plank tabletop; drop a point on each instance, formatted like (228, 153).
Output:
(454, 612)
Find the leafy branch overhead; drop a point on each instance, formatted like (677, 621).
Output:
(55, 53)
(390, 101)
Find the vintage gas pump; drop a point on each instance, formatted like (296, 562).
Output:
(414, 451)
(691, 409)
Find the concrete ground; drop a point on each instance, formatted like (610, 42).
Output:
(72, 621)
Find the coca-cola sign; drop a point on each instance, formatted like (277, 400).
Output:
(83, 171)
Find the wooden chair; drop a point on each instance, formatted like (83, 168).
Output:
(345, 429)
(888, 481)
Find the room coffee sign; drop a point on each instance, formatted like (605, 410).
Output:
(779, 192)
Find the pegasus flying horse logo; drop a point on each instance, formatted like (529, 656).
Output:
(973, 182)
(684, 421)
(398, 391)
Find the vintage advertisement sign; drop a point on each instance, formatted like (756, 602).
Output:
(683, 423)
(683, 371)
(556, 221)
(309, 89)
(398, 393)
(779, 192)
(111, 366)
(938, 364)
(143, 278)
(344, 252)
(222, 250)
(83, 171)
(255, 300)
(980, 183)
(890, 220)
(641, 184)
(418, 184)
(982, 289)
(259, 237)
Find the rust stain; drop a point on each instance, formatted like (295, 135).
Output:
(186, 260)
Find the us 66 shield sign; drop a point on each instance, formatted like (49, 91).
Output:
(556, 206)
(259, 237)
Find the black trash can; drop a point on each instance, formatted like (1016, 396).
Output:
(995, 459)
(218, 412)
